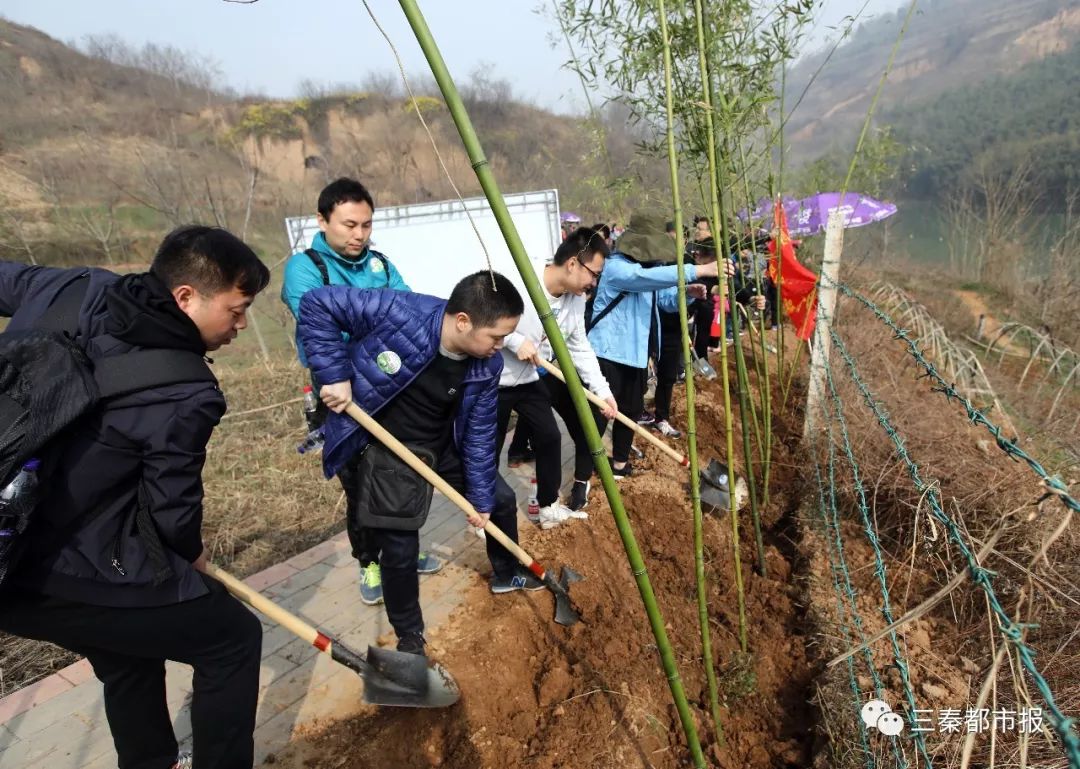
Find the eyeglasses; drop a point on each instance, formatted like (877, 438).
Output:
(592, 272)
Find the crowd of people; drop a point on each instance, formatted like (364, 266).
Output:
(115, 568)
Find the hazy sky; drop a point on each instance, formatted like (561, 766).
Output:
(272, 45)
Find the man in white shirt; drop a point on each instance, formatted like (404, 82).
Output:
(576, 268)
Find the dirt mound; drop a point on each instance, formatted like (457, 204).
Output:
(535, 694)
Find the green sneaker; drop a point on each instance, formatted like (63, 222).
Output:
(371, 585)
(427, 563)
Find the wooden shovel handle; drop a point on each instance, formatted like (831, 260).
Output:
(264, 605)
(432, 477)
(682, 460)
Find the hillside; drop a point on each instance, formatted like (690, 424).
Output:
(950, 45)
(102, 152)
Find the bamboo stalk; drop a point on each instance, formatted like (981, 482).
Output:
(562, 355)
(718, 225)
(691, 406)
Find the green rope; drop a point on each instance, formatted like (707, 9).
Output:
(1054, 485)
(1012, 631)
(841, 611)
(899, 660)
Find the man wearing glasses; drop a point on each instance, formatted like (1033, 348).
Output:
(575, 269)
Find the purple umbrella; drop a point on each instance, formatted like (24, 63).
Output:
(810, 215)
(763, 211)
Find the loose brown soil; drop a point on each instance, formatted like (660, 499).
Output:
(535, 694)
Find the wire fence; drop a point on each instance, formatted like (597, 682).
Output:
(837, 439)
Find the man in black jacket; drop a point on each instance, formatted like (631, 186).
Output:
(94, 580)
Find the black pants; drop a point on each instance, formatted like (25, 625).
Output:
(667, 373)
(533, 407)
(365, 548)
(703, 318)
(628, 386)
(560, 401)
(127, 648)
(520, 442)
(399, 550)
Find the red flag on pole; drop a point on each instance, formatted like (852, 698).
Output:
(798, 285)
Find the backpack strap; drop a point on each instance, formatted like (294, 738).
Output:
(589, 325)
(317, 259)
(139, 370)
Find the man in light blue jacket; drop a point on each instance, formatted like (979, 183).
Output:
(340, 255)
(624, 327)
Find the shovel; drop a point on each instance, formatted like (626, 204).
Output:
(621, 417)
(715, 474)
(390, 677)
(565, 613)
(716, 491)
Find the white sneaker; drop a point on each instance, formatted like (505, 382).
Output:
(556, 514)
(664, 428)
(183, 761)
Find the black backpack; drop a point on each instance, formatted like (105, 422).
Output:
(317, 259)
(47, 382)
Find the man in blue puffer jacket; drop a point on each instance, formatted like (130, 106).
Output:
(428, 371)
(341, 255)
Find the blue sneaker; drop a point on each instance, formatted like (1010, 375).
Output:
(371, 585)
(427, 563)
(521, 581)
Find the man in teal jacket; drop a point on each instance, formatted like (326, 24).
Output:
(340, 256)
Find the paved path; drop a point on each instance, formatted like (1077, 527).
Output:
(59, 722)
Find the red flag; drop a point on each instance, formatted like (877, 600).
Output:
(798, 285)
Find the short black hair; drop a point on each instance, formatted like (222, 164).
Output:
(669, 227)
(485, 305)
(343, 190)
(210, 260)
(602, 229)
(583, 240)
(699, 219)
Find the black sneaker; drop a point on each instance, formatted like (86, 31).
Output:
(579, 495)
(519, 581)
(623, 472)
(645, 419)
(412, 643)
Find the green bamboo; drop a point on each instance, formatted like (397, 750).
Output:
(562, 354)
(762, 371)
(688, 369)
(718, 225)
(745, 418)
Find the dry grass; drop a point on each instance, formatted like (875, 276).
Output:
(953, 649)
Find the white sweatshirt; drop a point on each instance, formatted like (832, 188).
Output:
(569, 311)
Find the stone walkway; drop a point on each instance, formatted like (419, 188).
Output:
(59, 722)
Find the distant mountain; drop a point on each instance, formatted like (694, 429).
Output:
(103, 150)
(950, 46)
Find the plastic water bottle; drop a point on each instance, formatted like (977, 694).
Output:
(311, 409)
(18, 498)
(533, 511)
(313, 441)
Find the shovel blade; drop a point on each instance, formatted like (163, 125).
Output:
(397, 679)
(565, 613)
(716, 475)
(568, 577)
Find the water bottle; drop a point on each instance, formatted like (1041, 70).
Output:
(313, 441)
(311, 409)
(18, 498)
(533, 511)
